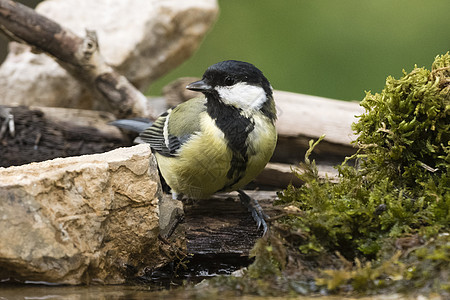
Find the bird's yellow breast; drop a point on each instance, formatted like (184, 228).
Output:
(201, 167)
(204, 160)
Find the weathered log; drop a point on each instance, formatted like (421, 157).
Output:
(79, 56)
(42, 133)
(279, 175)
(303, 117)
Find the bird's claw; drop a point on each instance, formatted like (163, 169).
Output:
(256, 210)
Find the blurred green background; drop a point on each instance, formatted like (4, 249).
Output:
(329, 48)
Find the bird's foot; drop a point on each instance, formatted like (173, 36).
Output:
(257, 212)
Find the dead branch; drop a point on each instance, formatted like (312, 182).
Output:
(79, 56)
(42, 133)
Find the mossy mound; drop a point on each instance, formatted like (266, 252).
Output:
(384, 227)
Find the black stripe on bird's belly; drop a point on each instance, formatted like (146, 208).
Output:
(236, 129)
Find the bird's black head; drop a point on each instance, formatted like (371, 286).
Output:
(235, 83)
(231, 72)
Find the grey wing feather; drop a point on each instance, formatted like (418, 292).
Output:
(154, 135)
(165, 138)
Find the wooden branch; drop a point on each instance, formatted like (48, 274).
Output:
(42, 133)
(304, 117)
(79, 56)
(312, 116)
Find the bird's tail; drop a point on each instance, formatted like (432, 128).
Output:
(136, 125)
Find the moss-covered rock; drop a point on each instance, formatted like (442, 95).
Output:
(388, 217)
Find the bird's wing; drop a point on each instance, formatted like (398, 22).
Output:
(174, 127)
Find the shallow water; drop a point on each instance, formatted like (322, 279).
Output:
(16, 292)
(126, 292)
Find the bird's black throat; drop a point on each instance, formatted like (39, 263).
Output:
(236, 128)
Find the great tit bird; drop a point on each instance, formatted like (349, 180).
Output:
(217, 142)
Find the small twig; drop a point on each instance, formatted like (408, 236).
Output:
(428, 168)
(8, 123)
(282, 215)
(36, 141)
(178, 250)
(440, 69)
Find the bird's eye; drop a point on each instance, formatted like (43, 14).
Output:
(229, 81)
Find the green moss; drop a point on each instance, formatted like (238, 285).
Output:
(390, 214)
(269, 260)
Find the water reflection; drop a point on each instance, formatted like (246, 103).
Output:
(16, 292)
(13, 292)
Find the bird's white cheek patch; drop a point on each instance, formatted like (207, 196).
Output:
(166, 129)
(242, 95)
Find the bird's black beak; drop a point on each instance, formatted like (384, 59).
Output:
(198, 86)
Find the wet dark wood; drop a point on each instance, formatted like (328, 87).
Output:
(46, 133)
(222, 225)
